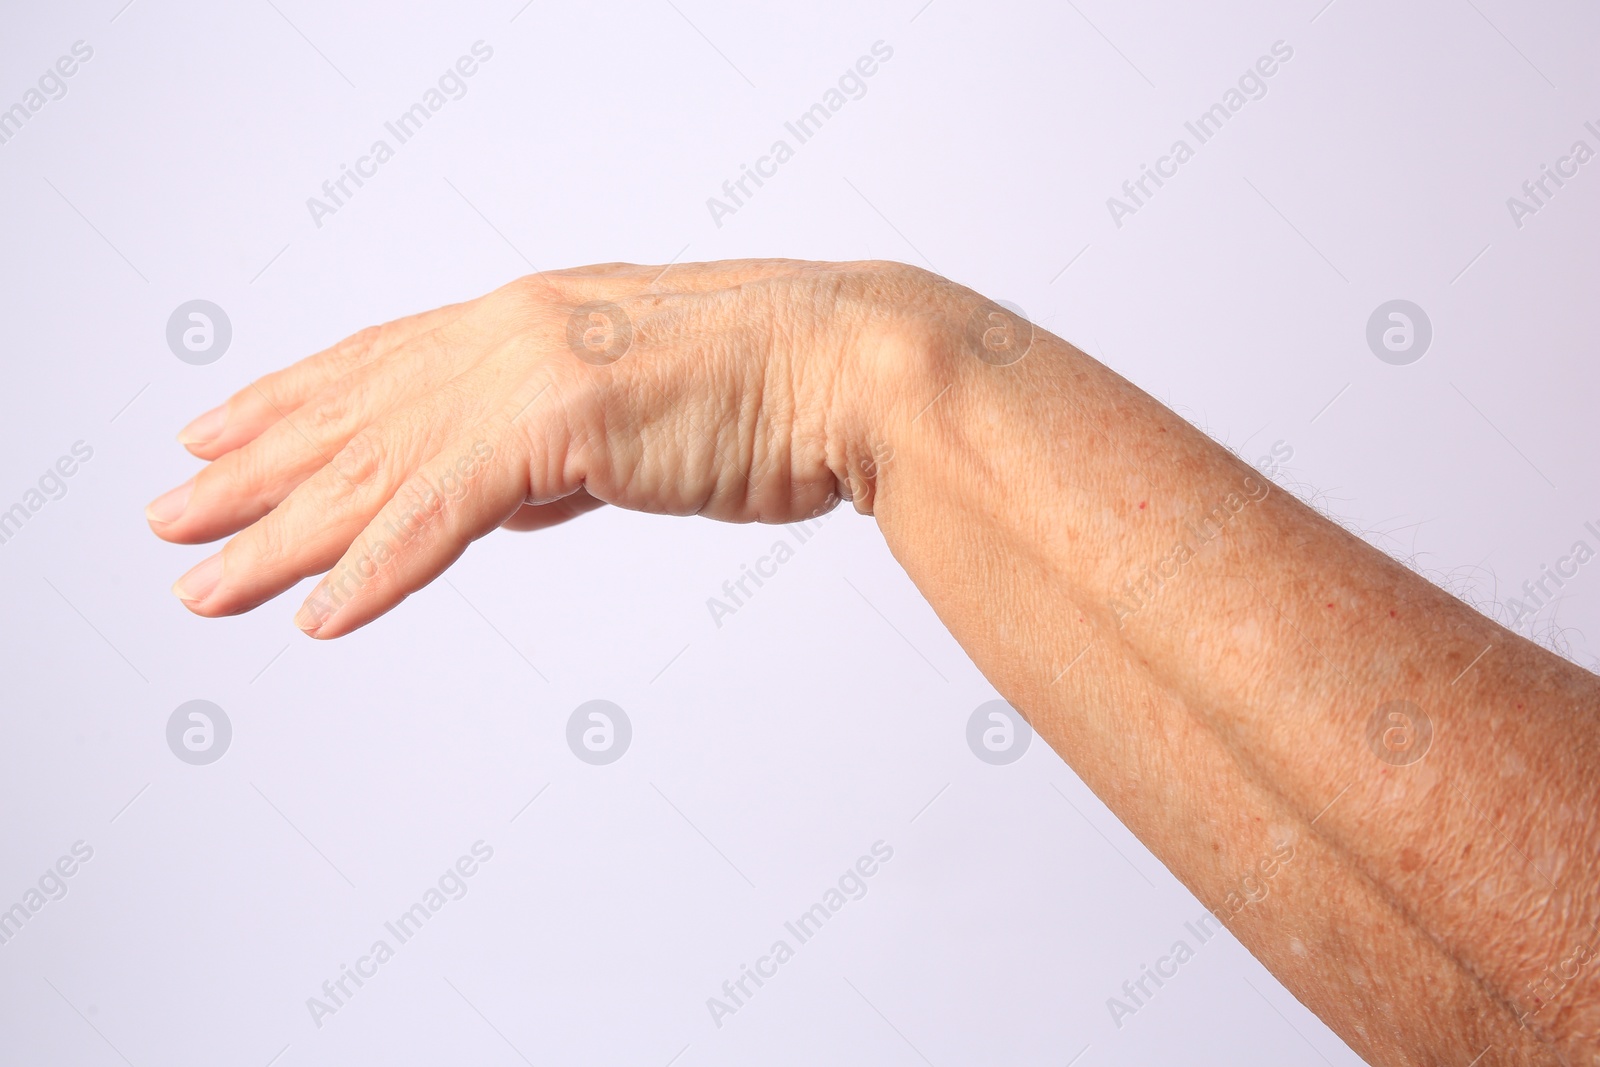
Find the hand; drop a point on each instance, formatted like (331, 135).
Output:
(733, 390)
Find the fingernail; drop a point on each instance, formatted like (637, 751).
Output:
(308, 618)
(199, 582)
(169, 505)
(206, 428)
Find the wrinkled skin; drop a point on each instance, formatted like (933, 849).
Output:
(1205, 651)
(383, 457)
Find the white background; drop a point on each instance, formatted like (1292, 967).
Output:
(829, 712)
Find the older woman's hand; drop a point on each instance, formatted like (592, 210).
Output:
(733, 390)
(1251, 688)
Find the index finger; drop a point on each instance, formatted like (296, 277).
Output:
(249, 412)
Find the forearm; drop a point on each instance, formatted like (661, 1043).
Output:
(1204, 650)
(1228, 649)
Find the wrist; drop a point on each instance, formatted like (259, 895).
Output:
(902, 357)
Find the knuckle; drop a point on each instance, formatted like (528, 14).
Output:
(417, 508)
(522, 295)
(354, 351)
(360, 462)
(218, 478)
(343, 357)
(265, 544)
(325, 417)
(267, 394)
(233, 476)
(267, 386)
(360, 345)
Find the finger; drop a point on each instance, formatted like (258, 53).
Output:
(244, 415)
(308, 532)
(245, 484)
(542, 516)
(458, 496)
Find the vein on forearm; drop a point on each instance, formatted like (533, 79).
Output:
(1280, 635)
